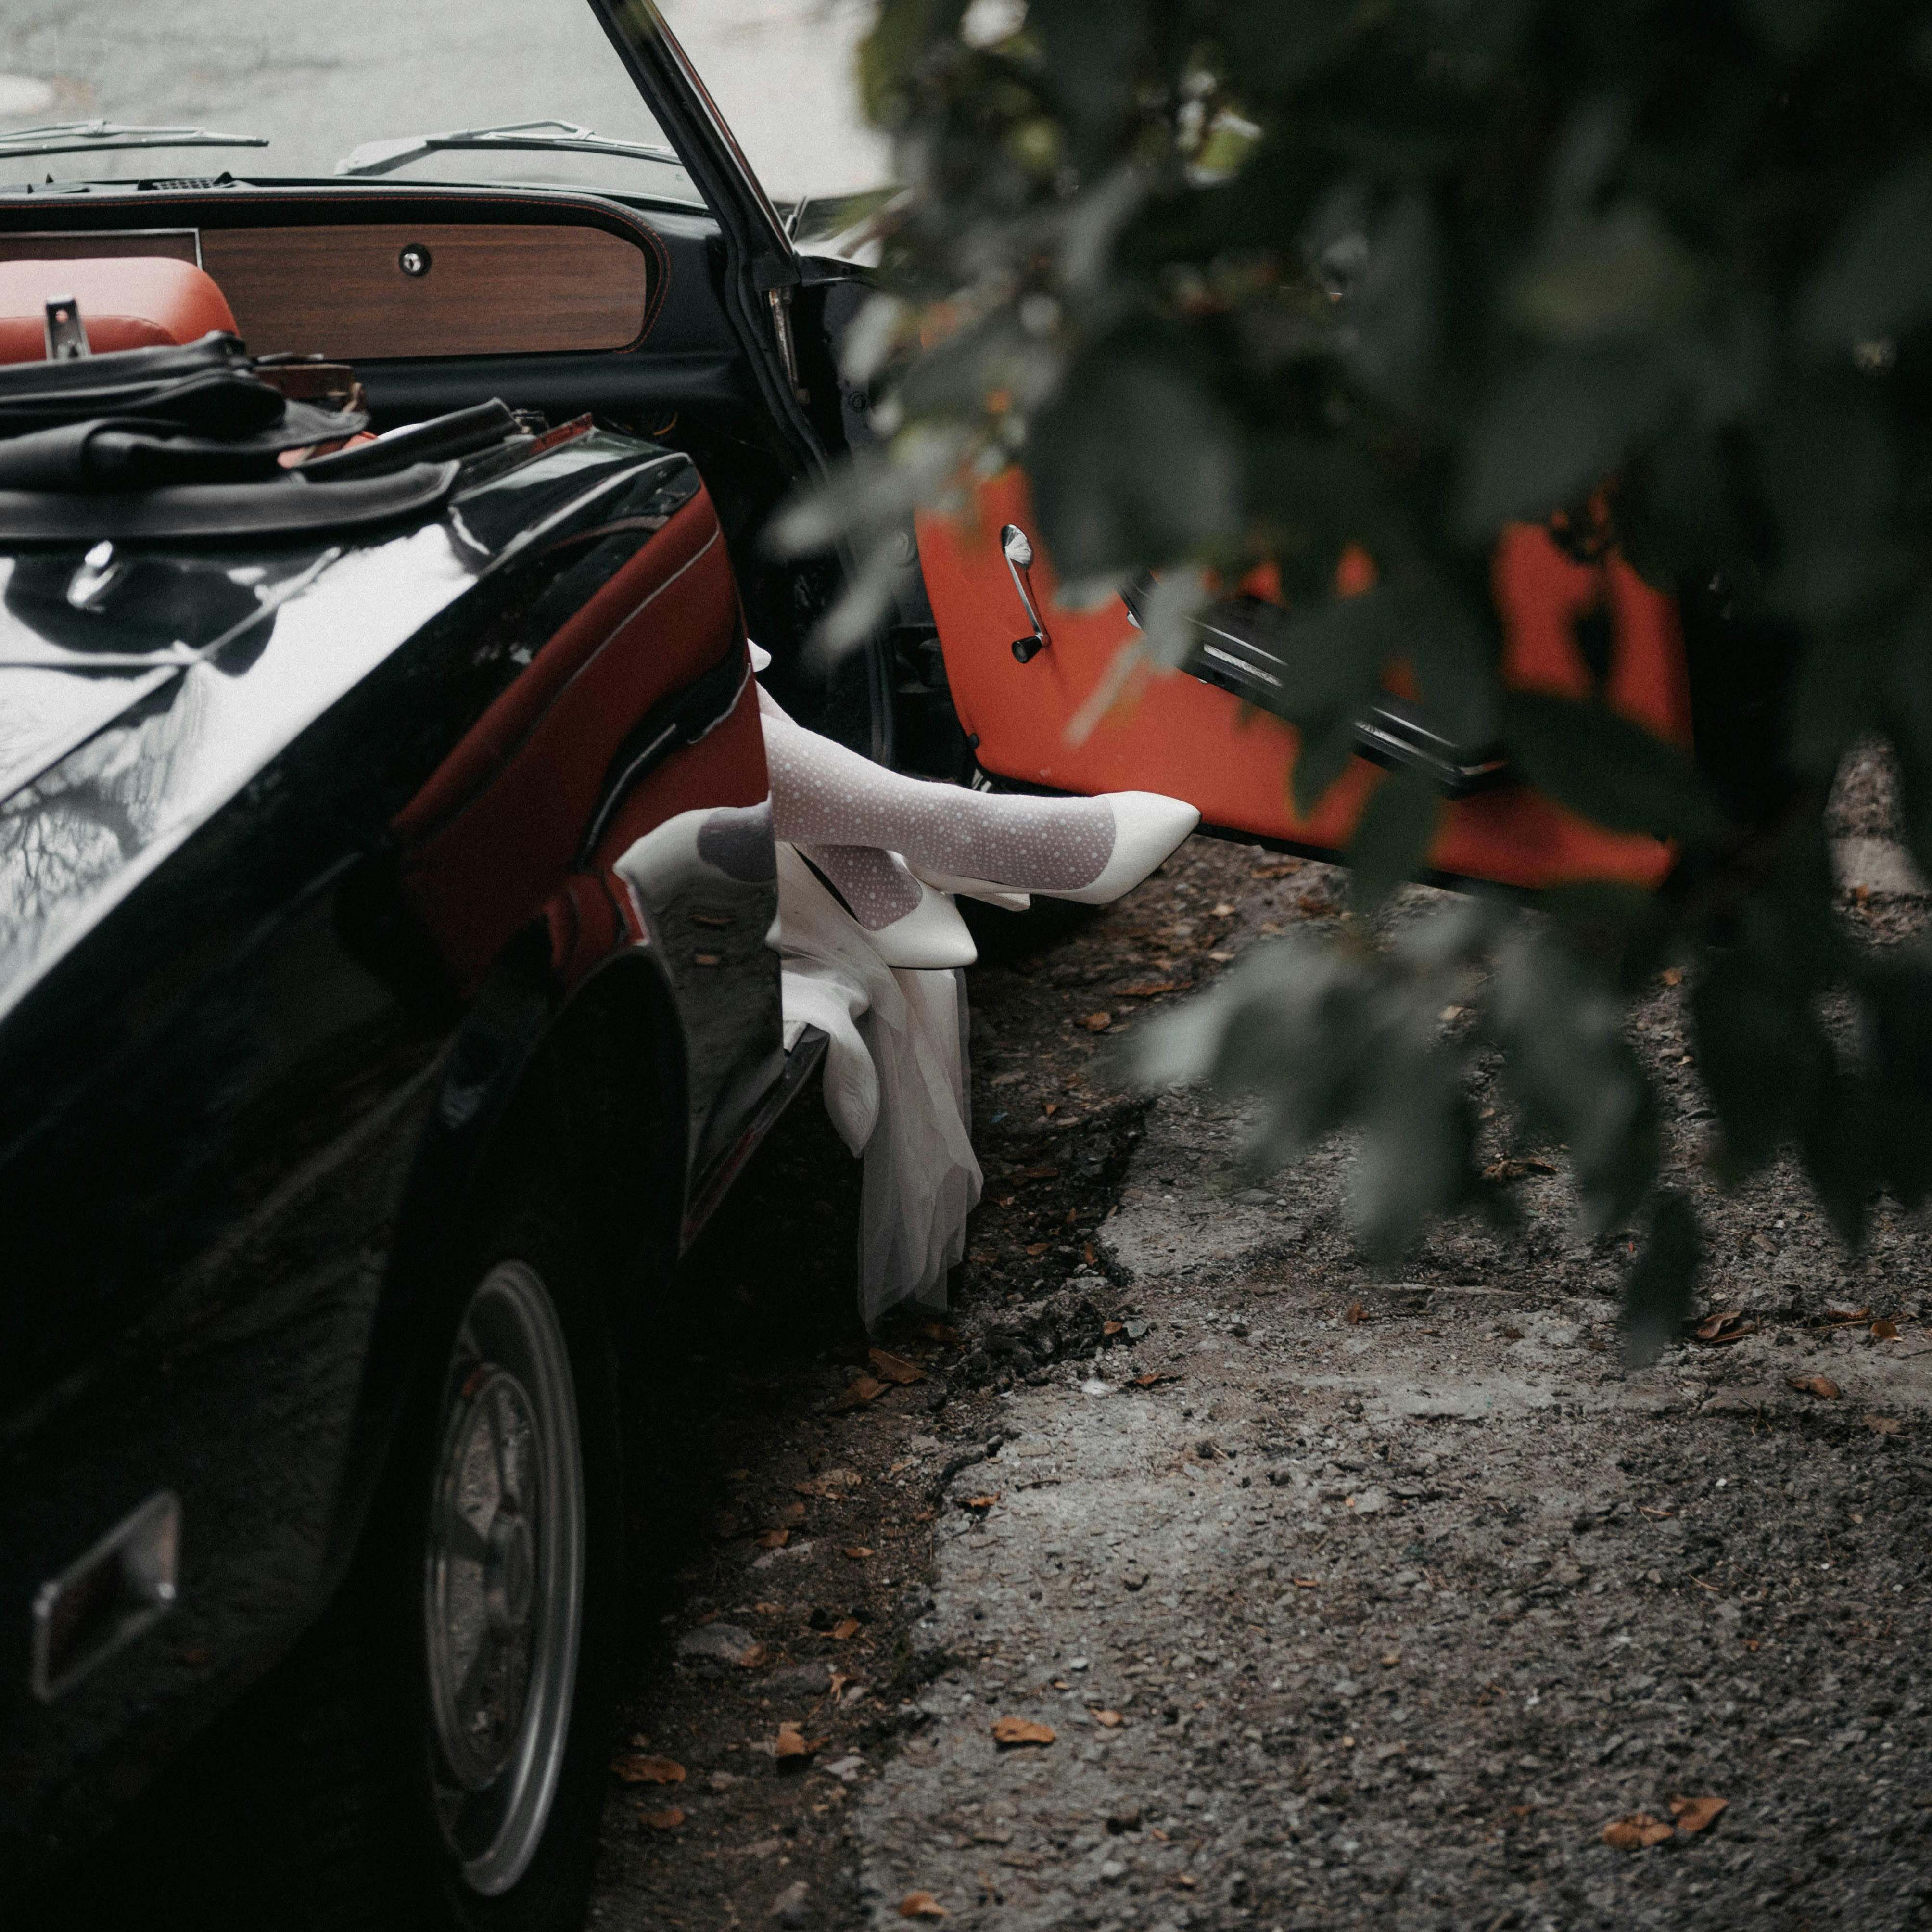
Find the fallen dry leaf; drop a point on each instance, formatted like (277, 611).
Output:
(1111, 1327)
(1693, 1814)
(863, 1390)
(895, 1368)
(1278, 868)
(1885, 1330)
(1821, 1386)
(792, 1513)
(1673, 975)
(1357, 1312)
(1148, 989)
(750, 1657)
(1110, 1720)
(857, 1552)
(1838, 1317)
(637, 1767)
(1308, 1582)
(667, 1820)
(1514, 1169)
(1037, 1248)
(1637, 1831)
(846, 1627)
(1882, 1425)
(774, 1539)
(1150, 1381)
(1732, 1325)
(1009, 1732)
(981, 1502)
(1187, 1879)
(791, 1746)
(921, 1905)
(1097, 1022)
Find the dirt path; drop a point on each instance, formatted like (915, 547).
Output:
(1400, 1591)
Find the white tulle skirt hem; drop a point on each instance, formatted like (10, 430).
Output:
(896, 1089)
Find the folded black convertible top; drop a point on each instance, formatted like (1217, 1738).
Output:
(179, 443)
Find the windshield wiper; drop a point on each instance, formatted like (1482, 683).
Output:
(80, 137)
(380, 157)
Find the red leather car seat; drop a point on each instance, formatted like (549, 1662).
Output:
(127, 302)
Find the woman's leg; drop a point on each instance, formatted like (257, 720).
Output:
(876, 888)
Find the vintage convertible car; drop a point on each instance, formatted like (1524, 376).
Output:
(385, 872)
(385, 877)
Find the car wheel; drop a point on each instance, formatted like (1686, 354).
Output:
(506, 1596)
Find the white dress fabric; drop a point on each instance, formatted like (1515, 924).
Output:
(895, 1087)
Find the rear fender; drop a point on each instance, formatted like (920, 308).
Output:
(585, 1080)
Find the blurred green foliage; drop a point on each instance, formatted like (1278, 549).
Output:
(1248, 281)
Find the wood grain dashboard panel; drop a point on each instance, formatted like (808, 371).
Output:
(488, 288)
(180, 244)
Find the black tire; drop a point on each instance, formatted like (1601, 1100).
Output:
(447, 1870)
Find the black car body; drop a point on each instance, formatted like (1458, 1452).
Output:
(354, 886)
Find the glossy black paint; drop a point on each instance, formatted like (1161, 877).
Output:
(245, 1107)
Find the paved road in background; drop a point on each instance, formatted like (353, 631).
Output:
(321, 79)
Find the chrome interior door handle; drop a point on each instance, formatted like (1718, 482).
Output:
(1017, 547)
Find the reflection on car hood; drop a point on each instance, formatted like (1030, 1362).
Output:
(139, 694)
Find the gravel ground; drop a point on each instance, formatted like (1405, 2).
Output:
(1343, 1598)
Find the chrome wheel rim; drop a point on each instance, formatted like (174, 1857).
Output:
(503, 1578)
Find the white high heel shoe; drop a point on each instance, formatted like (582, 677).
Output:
(931, 936)
(1147, 827)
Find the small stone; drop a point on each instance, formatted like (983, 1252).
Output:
(1371, 1501)
(1124, 1818)
(1112, 1871)
(813, 1677)
(845, 1769)
(724, 1643)
(790, 1908)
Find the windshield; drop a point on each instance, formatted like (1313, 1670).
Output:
(319, 78)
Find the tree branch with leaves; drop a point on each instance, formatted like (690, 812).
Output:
(1257, 284)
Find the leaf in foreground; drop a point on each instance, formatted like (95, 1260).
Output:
(921, 1905)
(635, 1768)
(1656, 1297)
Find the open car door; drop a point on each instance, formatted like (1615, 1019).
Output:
(1019, 676)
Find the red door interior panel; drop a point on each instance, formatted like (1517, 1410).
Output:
(506, 812)
(1173, 734)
